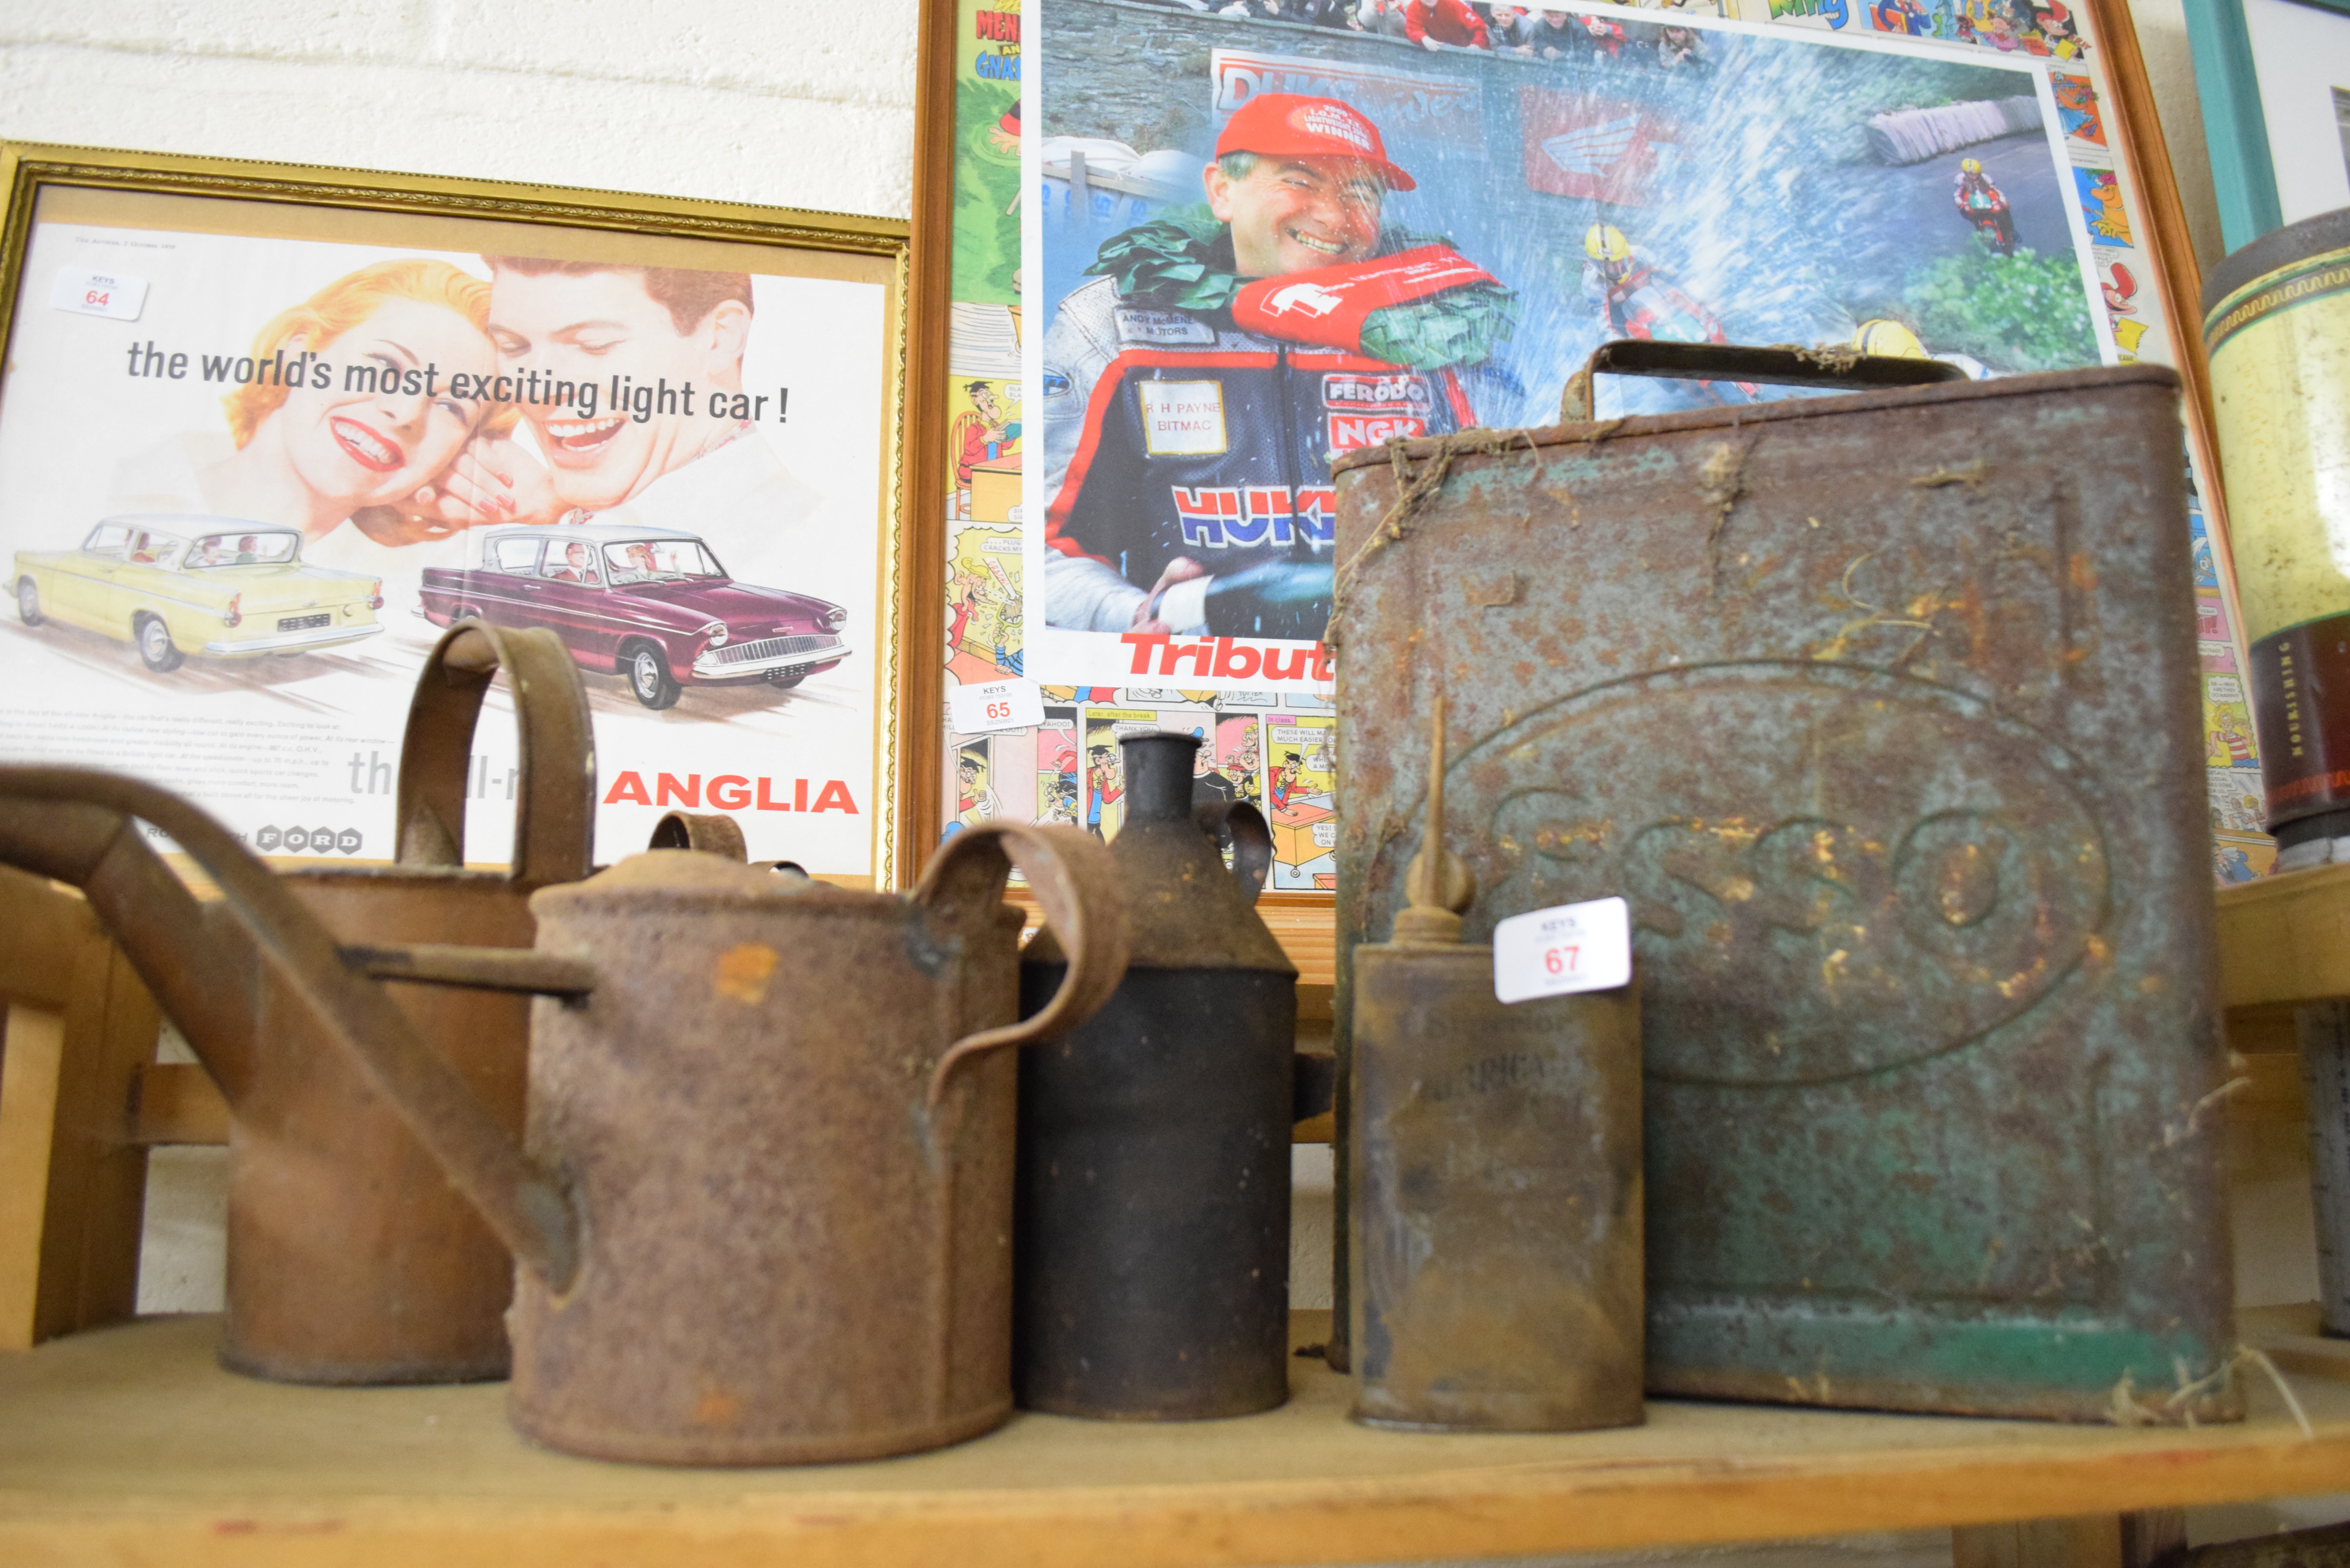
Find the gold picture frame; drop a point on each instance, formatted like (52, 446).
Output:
(863, 266)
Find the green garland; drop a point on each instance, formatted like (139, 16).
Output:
(1182, 260)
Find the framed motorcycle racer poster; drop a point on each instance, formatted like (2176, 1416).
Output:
(266, 431)
(1198, 251)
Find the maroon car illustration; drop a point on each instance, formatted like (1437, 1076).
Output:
(649, 604)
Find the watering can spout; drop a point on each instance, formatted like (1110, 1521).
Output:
(200, 969)
(80, 826)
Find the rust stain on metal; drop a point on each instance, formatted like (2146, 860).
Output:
(744, 971)
(1721, 481)
(1496, 592)
(1970, 474)
(1412, 490)
(1834, 358)
(1913, 617)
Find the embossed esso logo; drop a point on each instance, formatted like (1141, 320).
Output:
(1830, 871)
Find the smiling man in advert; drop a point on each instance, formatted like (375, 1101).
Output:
(656, 418)
(1196, 389)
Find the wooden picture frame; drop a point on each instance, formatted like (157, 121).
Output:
(2235, 130)
(932, 276)
(2241, 849)
(2140, 147)
(812, 489)
(2160, 320)
(2237, 105)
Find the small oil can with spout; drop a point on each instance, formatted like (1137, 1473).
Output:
(1497, 1248)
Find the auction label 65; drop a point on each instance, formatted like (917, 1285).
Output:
(998, 705)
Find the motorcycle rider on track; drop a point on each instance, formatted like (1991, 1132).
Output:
(1194, 391)
(1979, 203)
(1638, 300)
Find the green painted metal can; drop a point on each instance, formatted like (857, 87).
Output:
(1882, 713)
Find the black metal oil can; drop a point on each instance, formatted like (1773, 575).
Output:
(1150, 1276)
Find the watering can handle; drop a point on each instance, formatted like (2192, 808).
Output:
(1840, 369)
(1078, 884)
(1252, 841)
(76, 825)
(554, 809)
(712, 833)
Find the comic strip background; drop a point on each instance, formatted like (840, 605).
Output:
(1279, 752)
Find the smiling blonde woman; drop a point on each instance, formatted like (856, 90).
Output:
(376, 420)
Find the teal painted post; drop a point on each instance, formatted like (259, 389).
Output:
(2243, 177)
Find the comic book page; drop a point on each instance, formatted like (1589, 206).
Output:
(1195, 342)
(1066, 768)
(240, 515)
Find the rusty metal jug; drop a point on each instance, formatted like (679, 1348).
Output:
(787, 1121)
(350, 1258)
(1151, 1245)
(766, 1213)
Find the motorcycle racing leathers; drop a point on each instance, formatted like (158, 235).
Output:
(1982, 205)
(1167, 434)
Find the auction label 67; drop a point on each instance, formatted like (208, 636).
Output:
(1560, 951)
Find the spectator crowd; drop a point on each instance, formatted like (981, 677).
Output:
(1438, 24)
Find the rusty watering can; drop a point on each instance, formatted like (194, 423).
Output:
(715, 833)
(350, 1258)
(766, 1213)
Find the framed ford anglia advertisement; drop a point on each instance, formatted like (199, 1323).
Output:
(267, 432)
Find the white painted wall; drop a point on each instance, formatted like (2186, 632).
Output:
(786, 104)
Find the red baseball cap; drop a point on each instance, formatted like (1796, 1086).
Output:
(1290, 125)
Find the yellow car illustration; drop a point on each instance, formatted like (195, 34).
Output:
(175, 586)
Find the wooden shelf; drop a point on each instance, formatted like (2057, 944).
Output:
(129, 1446)
(2285, 939)
(2290, 1336)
